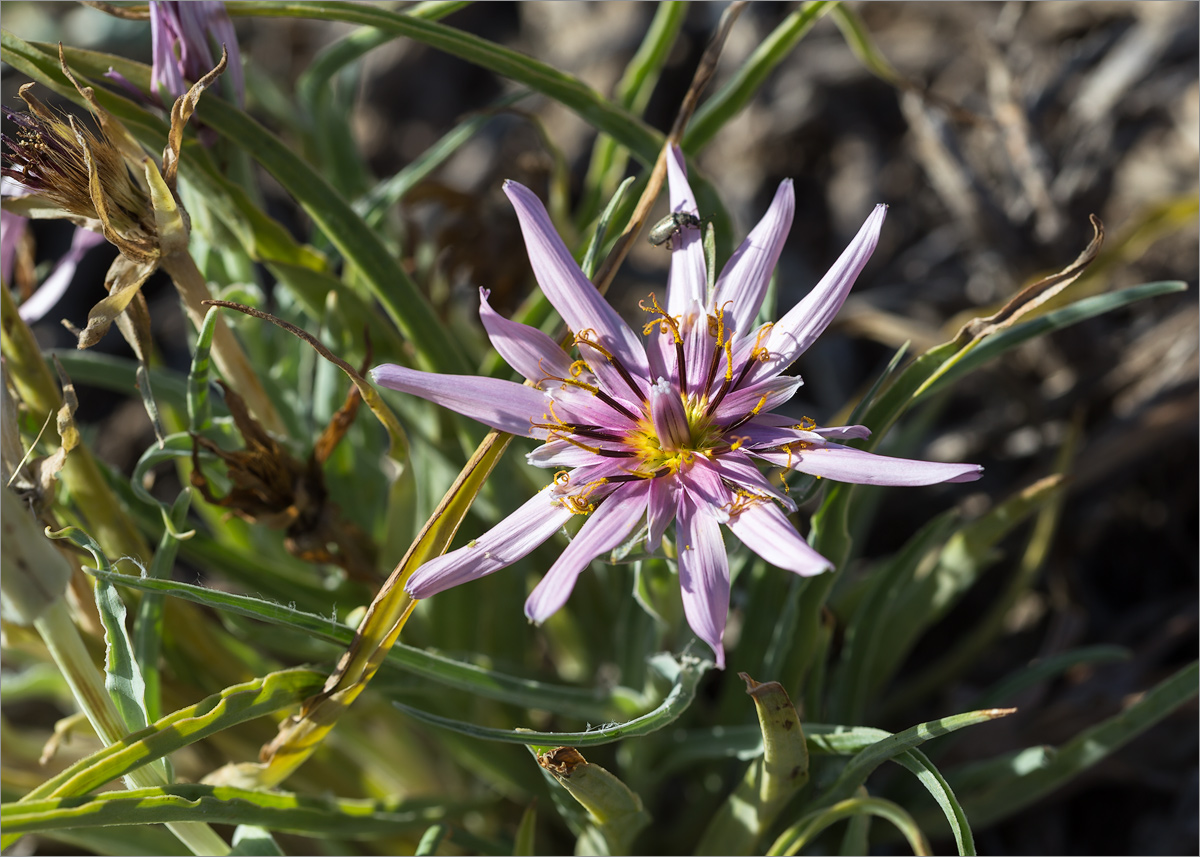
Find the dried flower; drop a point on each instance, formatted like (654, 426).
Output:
(666, 428)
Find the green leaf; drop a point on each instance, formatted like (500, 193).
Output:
(736, 94)
(328, 817)
(1002, 797)
(643, 141)
(430, 840)
(806, 829)
(252, 841)
(867, 760)
(678, 699)
(575, 702)
(198, 408)
(993, 346)
(222, 710)
(933, 781)
(148, 626)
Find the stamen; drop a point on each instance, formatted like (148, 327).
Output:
(753, 412)
(614, 404)
(668, 324)
(581, 338)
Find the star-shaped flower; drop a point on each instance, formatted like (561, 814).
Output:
(667, 426)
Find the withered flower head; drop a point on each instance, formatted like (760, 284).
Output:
(64, 166)
(107, 183)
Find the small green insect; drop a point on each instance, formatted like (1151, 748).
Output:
(671, 225)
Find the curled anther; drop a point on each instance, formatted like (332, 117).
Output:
(666, 323)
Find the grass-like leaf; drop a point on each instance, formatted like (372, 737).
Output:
(676, 702)
(330, 817)
(573, 702)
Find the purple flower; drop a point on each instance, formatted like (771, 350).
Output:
(180, 33)
(667, 426)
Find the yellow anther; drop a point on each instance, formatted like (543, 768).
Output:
(666, 323)
(579, 367)
(562, 477)
(583, 338)
(738, 440)
(759, 351)
(807, 424)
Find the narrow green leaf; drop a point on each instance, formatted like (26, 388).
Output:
(229, 707)
(993, 346)
(615, 812)
(430, 841)
(575, 702)
(676, 702)
(523, 842)
(148, 625)
(640, 139)
(736, 94)
(252, 841)
(866, 761)
(330, 817)
(806, 829)
(1004, 797)
(198, 408)
(933, 781)
(769, 783)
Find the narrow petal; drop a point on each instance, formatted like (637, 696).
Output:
(687, 282)
(565, 286)
(773, 430)
(764, 529)
(804, 322)
(743, 283)
(526, 349)
(669, 418)
(702, 481)
(703, 573)
(846, 464)
(513, 538)
(660, 510)
(606, 528)
(737, 469)
(759, 398)
(502, 405)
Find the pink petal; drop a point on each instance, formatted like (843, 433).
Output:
(703, 572)
(687, 282)
(764, 529)
(807, 320)
(499, 404)
(526, 349)
(605, 528)
(773, 430)
(565, 286)
(743, 283)
(52, 289)
(846, 464)
(660, 510)
(513, 538)
(667, 414)
(702, 481)
(742, 401)
(737, 469)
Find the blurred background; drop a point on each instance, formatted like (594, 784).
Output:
(1000, 129)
